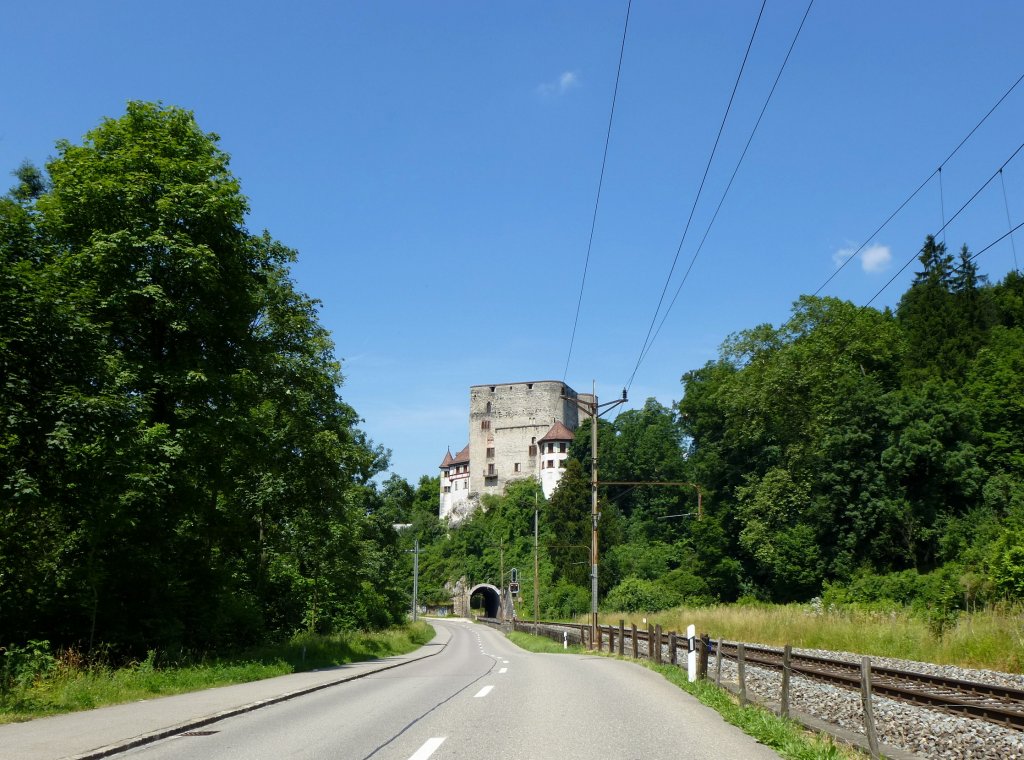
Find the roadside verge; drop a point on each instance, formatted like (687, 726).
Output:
(107, 731)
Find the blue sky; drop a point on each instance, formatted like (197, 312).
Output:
(436, 164)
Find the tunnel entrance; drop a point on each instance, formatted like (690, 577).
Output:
(487, 598)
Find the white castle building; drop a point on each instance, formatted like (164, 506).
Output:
(516, 431)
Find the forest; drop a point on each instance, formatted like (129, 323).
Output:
(863, 456)
(177, 468)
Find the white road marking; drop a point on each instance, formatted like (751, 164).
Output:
(484, 691)
(503, 670)
(428, 748)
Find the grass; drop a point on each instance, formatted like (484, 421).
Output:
(992, 639)
(542, 644)
(786, 737)
(72, 684)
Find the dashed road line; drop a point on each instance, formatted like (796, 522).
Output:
(503, 670)
(428, 748)
(484, 691)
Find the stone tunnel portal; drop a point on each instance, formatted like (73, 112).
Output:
(486, 596)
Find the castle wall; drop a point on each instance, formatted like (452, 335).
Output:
(505, 420)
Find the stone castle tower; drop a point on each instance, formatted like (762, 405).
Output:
(516, 431)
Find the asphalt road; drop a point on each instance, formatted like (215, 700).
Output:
(482, 697)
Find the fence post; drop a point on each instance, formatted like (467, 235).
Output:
(600, 638)
(718, 661)
(742, 674)
(672, 647)
(702, 657)
(787, 653)
(650, 642)
(657, 636)
(869, 714)
(636, 647)
(622, 637)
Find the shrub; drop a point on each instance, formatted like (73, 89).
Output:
(635, 595)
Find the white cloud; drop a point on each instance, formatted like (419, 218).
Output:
(872, 260)
(565, 82)
(840, 256)
(876, 258)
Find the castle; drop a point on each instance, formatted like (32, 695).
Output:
(516, 431)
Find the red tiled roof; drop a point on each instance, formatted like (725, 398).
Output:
(447, 459)
(558, 432)
(462, 457)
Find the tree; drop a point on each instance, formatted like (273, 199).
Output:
(176, 418)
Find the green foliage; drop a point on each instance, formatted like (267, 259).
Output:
(638, 595)
(47, 684)
(177, 466)
(1008, 565)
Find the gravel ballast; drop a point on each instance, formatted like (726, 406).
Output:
(927, 733)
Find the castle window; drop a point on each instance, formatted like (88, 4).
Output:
(551, 448)
(490, 453)
(515, 467)
(529, 386)
(490, 470)
(533, 440)
(551, 463)
(488, 407)
(533, 451)
(561, 447)
(485, 424)
(447, 489)
(492, 389)
(562, 464)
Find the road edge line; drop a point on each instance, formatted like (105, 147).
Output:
(164, 733)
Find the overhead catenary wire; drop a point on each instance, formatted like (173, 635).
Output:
(998, 240)
(942, 207)
(969, 201)
(920, 187)
(1009, 223)
(725, 193)
(700, 189)
(600, 184)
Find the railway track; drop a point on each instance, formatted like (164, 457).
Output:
(996, 704)
(1001, 705)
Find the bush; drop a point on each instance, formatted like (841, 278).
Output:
(20, 666)
(1007, 571)
(566, 600)
(639, 595)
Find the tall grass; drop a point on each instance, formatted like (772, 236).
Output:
(992, 638)
(69, 681)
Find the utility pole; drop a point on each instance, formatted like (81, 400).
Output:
(594, 411)
(536, 565)
(501, 577)
(415, 567)
(415, 577)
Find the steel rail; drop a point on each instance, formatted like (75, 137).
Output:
(996, 704)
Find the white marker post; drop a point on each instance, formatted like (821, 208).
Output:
(691, 657)
(565, 639)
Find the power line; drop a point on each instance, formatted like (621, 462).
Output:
(696, 199)
(600, 183)
(725, 193)
(970, 200)
(999, 239)
(1006, 204)
(920, 187)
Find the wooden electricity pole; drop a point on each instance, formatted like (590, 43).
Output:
(594, 410)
